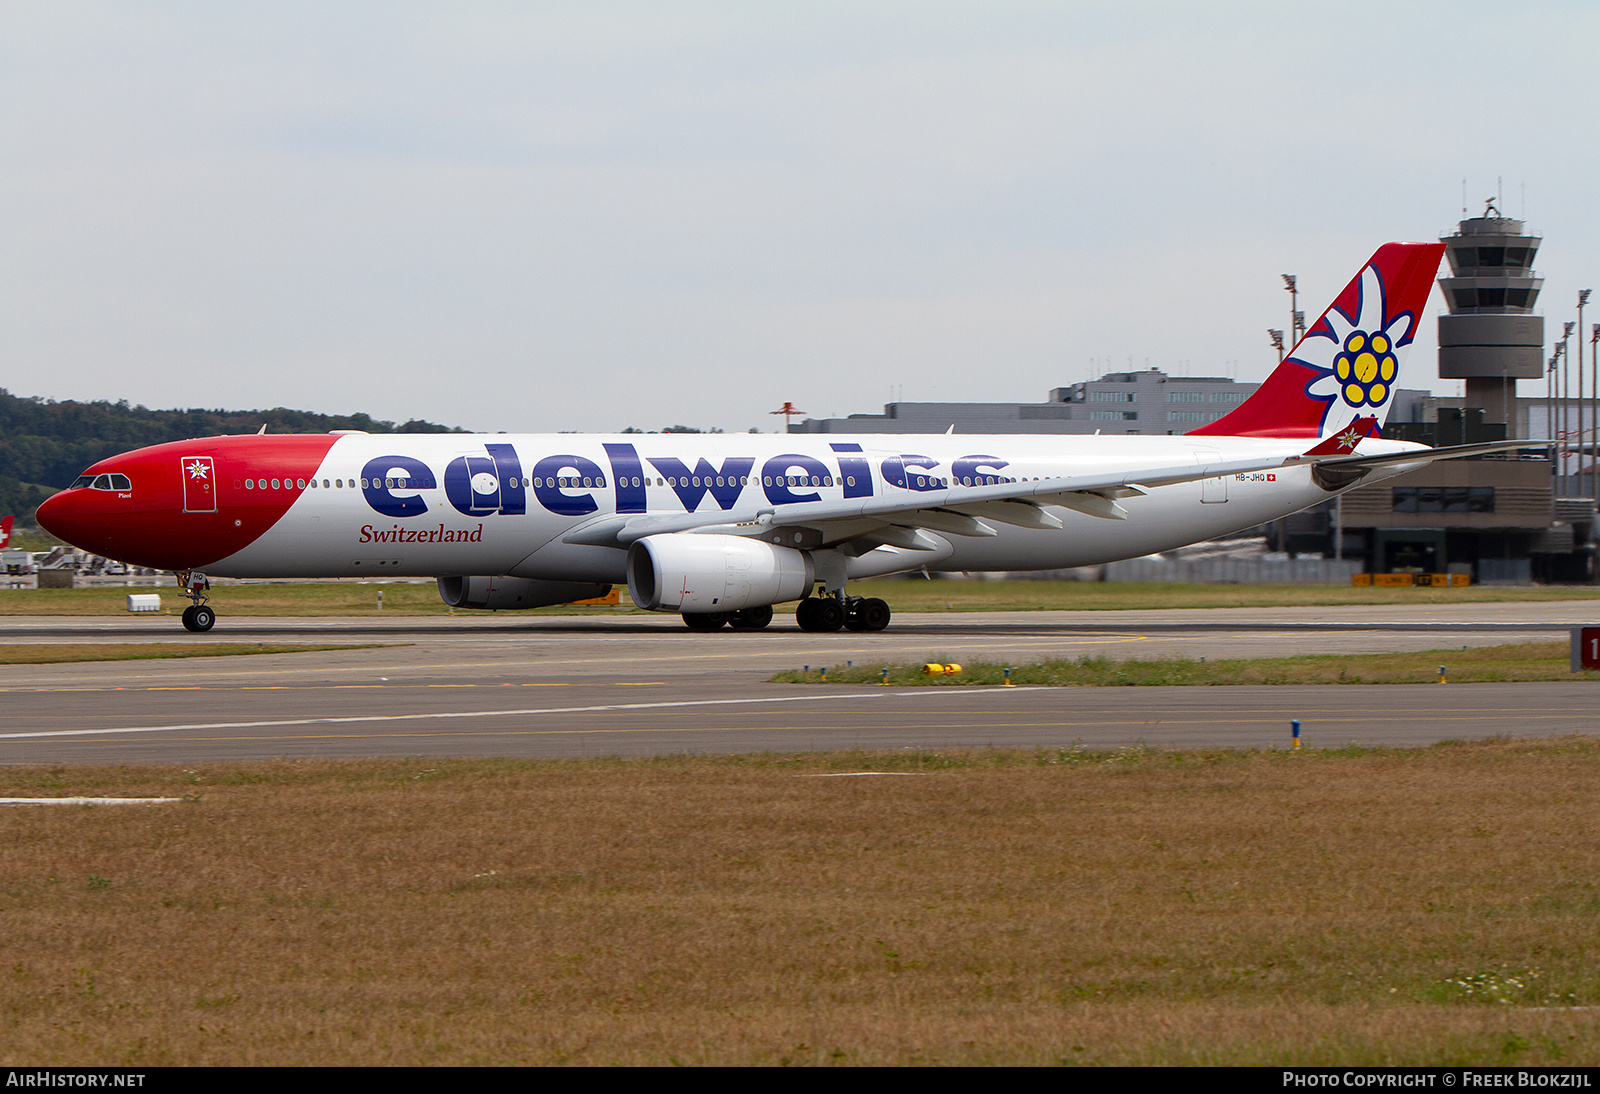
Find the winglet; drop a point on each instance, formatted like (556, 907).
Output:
(1344, 443)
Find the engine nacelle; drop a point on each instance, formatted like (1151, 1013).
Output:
(512, 593)
(683, 572)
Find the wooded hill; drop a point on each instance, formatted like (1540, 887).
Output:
(49, 443)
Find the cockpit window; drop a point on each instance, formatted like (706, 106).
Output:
(102, 482)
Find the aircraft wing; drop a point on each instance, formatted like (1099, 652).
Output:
(959, 510)
(899, 518)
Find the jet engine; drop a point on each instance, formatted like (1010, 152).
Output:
(683, 572)
(511, 593)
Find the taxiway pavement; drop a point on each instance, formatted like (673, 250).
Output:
(629, 685)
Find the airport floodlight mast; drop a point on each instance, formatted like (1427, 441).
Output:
(788, 410)
(1566, 403)
(1583, 298)
(1594, 399)
(1277, 342)
(1297, 318)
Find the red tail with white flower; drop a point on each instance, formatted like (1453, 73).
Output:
(1347, 366)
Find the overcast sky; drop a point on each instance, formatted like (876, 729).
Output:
(539, 217)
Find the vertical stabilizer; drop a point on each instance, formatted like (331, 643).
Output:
(1347, 366)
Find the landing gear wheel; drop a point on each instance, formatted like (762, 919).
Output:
(819, 613)
(751, 619)
(872, 614)
(866, 614)
(198, 618)
(704, 621)
(852, 616)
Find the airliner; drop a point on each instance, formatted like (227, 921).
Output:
(720, 528)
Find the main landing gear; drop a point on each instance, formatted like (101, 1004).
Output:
(750, 619)
(830, 613)
(198, 616)
(815, 613)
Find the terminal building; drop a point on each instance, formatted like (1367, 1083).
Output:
(1149, 401)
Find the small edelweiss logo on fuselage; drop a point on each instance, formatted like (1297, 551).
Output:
(197, 470)
(1366, 367)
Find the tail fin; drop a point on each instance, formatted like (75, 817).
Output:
(5, 531)
(1347, 365)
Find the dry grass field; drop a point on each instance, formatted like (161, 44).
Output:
(1485, 664)
(1436, 906)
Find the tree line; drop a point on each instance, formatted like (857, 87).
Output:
(45, 444)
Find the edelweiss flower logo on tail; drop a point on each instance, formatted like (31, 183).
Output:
(1366, 368)
(1356, 357)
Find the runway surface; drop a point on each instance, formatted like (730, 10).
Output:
(597, 685)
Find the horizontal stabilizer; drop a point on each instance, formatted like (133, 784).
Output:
(1415, 455)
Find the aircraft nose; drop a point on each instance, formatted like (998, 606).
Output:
(70, 515)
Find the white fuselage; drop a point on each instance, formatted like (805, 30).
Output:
(526, 497)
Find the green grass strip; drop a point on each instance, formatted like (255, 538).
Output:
(1485, 664)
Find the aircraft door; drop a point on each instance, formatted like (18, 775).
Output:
(1211, 490)
(199, 475)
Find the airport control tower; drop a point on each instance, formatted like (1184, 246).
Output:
(1491, 338)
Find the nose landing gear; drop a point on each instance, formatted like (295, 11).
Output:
(198, 616)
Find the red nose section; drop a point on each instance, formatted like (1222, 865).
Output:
(187, 504)
(71, 516)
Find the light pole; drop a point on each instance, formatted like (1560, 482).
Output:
(1563, 355)
(1583, 298)
(1550, 404)
(1594, 397)
(1290, 282)
(1277, 342)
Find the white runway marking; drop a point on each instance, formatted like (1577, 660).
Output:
(85, 801)
(347, 719)
(855, 774)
